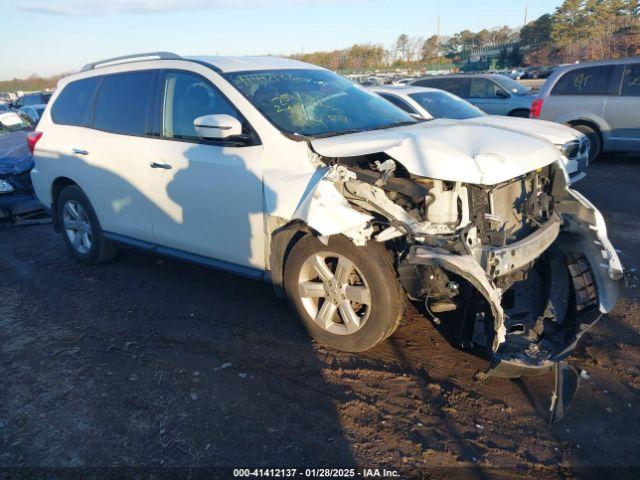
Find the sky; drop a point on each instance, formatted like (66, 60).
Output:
(47, 37)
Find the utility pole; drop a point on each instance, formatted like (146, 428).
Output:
(525, 14)
(438, 28)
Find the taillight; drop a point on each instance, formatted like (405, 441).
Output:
(32, 139)
(536, 108)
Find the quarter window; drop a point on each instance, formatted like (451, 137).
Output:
(584, 81)
(187, 97)
(121, 106)
(71, 106)
(631, 81)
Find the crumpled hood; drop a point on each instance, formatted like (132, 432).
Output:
(449, 150)
(556, 133)
(15, 156)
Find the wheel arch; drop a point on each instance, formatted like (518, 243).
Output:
(587, 122)
(282, 241)
(58, 185)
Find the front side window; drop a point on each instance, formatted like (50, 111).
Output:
(122, 103)
(71, 106)
(584, 81)
(186, 97)
(631, 81)
(483, 88)
(445, 105)
(512, 86)
(316, 103)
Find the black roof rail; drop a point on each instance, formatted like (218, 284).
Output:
(136, 57)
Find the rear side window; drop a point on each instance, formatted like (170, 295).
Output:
(457, 86)
(71, 106)
(122, 103)
(631, 81)
(584, 81)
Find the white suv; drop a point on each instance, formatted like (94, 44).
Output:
(280, 170)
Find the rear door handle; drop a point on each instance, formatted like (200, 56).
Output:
(79, 151)
(164, 166)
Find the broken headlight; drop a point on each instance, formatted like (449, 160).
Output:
(5, 187)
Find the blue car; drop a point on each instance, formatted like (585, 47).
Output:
(16, 191)
(492, 93)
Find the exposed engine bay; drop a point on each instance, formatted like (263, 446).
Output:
(524, 264)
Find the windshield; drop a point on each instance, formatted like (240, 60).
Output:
(316, 103)
(12, 122)
(446, 105)
(512, 86)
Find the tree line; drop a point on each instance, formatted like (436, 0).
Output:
(576, 30)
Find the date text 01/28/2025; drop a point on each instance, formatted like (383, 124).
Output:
(315, 473)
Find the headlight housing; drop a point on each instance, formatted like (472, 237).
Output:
(5, 187)
(571, 149)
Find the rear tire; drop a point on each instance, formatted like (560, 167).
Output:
(81, 229)
(347, 296)
(595, 147)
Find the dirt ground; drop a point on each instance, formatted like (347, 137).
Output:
(156, 365)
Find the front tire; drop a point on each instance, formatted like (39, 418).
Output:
(81, 229)
(347, 296)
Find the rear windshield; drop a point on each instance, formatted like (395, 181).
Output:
(12, 122)
(446, 105)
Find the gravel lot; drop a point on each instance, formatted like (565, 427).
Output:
(152, 363)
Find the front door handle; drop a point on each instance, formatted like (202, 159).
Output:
(164, 166)
(79, 151)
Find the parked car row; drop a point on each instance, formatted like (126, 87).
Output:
(31, 104)
(430, 103)
(277, 169)
(599, 99)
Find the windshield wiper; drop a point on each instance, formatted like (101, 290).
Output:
(338, 132)
(398, 124)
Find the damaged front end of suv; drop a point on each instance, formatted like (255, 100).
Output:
(523, 260)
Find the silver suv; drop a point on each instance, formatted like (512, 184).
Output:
(493, 93)
(601, 99)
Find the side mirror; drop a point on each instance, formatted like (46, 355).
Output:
(502, 94)
(217, 127)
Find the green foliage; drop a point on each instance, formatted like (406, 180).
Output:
(33, 83)
(358, 57)
(584, 30)
(538, 32)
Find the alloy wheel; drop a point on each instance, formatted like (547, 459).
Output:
(77, 226)
(334, 292)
